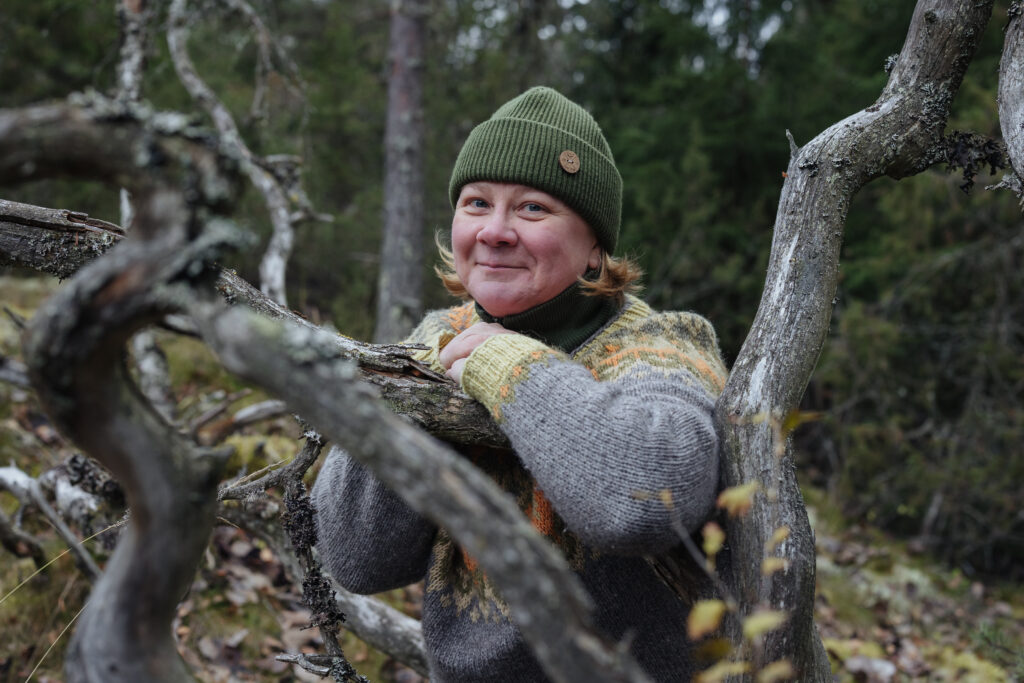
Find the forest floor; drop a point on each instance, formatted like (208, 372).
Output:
(884, 612)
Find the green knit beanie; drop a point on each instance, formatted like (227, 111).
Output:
(542, 139)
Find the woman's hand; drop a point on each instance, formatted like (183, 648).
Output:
(453, 356)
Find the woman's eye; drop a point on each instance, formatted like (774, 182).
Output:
(531, 207)
(477, 203)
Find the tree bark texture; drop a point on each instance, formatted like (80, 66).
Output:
(899, 135)
(400, 283)
(132, 15)
(56, 241)
(1011, 89)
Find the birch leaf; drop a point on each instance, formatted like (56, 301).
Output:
(714, 537)
(772, 565)
(780, 535)
(737, 500)
(704, 618)
(762, 621)
(781, 670)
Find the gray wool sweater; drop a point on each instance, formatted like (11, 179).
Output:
(601, 438)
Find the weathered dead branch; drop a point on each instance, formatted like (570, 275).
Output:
(74, 351)
(29, 493)
(275, 195)
(897, 136)
(1011, 90)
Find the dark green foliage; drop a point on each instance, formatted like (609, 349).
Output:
(921, 379)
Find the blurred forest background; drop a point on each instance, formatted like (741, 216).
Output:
(920, 383)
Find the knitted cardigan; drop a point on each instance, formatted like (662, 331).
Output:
(613, 444)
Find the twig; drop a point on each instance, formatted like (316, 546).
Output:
(292, 471)
(276, 197)
(314, 664)
(217, 410)
(28, 492)
(18, 320)
(257, 412)
(316, 590)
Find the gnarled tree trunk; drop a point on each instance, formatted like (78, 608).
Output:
(899, 135)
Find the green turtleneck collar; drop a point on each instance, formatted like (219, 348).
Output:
(564, 322)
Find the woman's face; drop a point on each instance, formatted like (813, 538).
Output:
(516, 247)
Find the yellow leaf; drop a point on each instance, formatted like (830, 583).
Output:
(738, 499)
(762, 621)
(721, 671)
(772, 565)
(781, 670)
(797, 418)
(714, 537)
(780, 535)
(666, 498)
(704, 618)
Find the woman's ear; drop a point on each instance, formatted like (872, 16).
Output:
(594, 260)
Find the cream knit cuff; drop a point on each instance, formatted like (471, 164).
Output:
(493, 370)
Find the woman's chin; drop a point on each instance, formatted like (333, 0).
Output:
(501, 303)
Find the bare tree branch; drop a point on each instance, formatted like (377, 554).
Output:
(293, 471)
(899, 135)
(74, 351)
(55, 241)
(29, 493)
(268, 47)
(275, 259)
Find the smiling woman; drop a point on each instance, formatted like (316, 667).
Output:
(607, 405)
(516, 247)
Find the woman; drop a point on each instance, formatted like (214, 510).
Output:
(606, 403)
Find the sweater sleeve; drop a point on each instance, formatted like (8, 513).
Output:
(626, 453)
(368, 538)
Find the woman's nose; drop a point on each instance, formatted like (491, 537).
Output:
(497, 230)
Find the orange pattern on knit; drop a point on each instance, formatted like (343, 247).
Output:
(698, 363)
(542, 515)
(460, 317)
